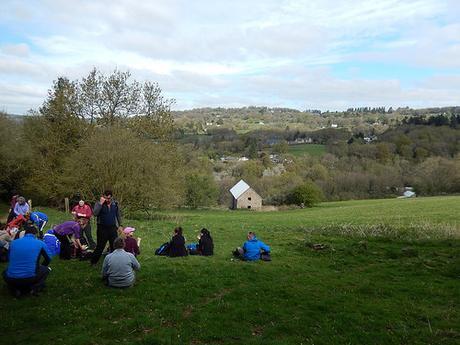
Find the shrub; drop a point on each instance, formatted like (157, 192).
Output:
(307, 194)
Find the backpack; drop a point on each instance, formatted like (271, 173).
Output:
(163, 250)
(192, 249)
(265, 256)
(52, 243)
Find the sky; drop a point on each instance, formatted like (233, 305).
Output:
(316, 54)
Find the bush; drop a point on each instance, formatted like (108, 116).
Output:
(307, 194)
(201, 190)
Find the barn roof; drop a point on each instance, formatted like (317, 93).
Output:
(239, 189)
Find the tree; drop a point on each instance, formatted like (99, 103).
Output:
(52, 133)
(15, 156)
(201, 190)
(142, 174)
(307, 194)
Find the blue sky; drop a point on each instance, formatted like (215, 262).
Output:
(322, 54)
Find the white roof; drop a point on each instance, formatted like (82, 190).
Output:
(239, 189)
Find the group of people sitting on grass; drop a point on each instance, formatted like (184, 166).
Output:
(24, 241)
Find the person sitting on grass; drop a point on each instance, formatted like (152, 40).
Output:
(205, 243)
(24, 273)
(177, 244)
(62, 232)
(131, 243)
(252, 248)
(119, 266)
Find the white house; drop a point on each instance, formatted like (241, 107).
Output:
(245, 197)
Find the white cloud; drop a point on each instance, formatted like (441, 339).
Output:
(274, 52)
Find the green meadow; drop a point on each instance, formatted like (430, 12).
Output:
(355, 272)
(314, 150)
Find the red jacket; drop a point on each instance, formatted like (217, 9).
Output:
(16, 222)
(83, 211)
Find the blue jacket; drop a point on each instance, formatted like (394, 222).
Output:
(38, 218)
(252, 249)
(24, 255)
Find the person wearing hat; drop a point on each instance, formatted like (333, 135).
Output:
(131, 243)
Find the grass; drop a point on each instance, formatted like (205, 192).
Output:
(389, 273)
(315, 150)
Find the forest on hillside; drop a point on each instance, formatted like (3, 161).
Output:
(110, 131)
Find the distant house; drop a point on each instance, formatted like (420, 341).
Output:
(408, 193)
(245, 197)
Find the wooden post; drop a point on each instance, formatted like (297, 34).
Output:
(30, 204)
(67, 207)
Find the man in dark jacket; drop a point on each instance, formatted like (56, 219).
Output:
(24, 273)
(108, 216)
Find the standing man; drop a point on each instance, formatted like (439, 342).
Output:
(108, 221)
(24, 273)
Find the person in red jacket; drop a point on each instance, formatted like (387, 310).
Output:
(84, 212)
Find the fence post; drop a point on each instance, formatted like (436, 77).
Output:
(67, 207)
(30, 204)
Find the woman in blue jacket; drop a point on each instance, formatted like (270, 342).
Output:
(251, 249)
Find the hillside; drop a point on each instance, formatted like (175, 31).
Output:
(388, 274)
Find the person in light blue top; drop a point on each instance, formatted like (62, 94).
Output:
(252, 248)
(21, 207)
(39, 219)
(119, 266)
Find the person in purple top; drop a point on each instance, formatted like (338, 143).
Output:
(62, 232)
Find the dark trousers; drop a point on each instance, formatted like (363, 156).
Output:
(66, 249)
(238, 253)
(11, 216)
(86, 234)
(104, 233)
(24, 285)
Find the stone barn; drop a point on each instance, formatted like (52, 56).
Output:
(245, 197)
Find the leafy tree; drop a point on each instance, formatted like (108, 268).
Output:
(201, 190)
(142, 174)
(15, 157)
(308, 194)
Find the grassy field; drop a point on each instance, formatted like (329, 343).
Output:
(389, 274)
(315, 150)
